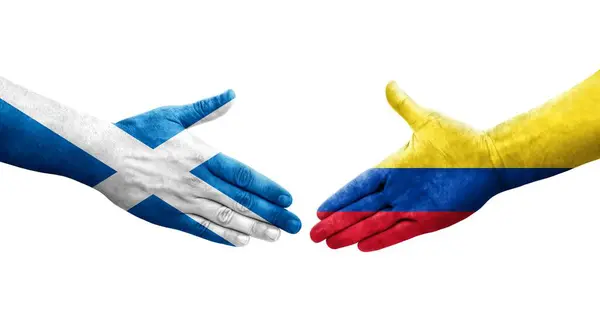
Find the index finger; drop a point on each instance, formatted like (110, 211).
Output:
(244, 177)
(365, 184)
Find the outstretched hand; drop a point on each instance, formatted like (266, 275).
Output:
(441, 176)
(191, 186)
(148, 165)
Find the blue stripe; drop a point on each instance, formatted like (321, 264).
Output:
(432, 189)
(152, 128)
(272, 213)
(157, 211)
(26, 143)
(203, 173)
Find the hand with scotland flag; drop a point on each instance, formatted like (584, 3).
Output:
(448, 170)
(148, 165)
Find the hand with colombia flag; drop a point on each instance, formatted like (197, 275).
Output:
(448, 170)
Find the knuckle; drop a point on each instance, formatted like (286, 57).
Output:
(205, 223)
(203, 189)
(245, 202)
(191, 180)
(224, 215)
(215, 165)
(275, 216)
(243, 177)
(200, 107)
(254, 228)
(199, 156)
(241, 239)
(259, 229)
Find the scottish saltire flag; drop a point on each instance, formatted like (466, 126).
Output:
(444, 174)
(148, 165)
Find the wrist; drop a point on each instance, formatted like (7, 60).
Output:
(41, 135)
(514, 170)
(557, 136)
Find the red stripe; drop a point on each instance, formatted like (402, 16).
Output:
(346, 228)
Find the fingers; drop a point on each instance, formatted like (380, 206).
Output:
(271, 213)
(211, 231)
(159, 212)
(204, 110)
(412, 113)
(419, 223)
(341, 220)
(363, 229)
(247, 203)
(387, 228)
(244, 177)
(228, 218)
(365, 184)
(400, 232)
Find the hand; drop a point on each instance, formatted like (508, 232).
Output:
(194, 188)
(444, 174)
(148, 165)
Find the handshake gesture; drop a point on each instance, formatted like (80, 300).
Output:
(150, 166)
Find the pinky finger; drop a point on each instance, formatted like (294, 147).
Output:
(400, 232)
(216, 233)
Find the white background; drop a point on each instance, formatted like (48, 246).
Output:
(311, 114)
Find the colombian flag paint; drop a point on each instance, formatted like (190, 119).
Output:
(396, 204)
(448, 170)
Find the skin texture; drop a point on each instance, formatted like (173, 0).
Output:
(448, 170)
(149, 165)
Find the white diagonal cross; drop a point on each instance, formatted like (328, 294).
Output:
(141, 170)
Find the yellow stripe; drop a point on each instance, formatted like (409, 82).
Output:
(443, 143)
(563, 133)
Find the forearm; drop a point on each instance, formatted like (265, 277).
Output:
(34, 132)
(559, 135)
(562, 133)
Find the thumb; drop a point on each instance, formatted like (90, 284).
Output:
(412, 113)
(204, 110)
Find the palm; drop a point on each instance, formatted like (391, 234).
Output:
(421, 185)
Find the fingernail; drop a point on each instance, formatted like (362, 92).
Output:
(293, 226)
(273, 234)
(321, 214)
(285, 200)
(317, 234)
(230, 94)
(243, 239)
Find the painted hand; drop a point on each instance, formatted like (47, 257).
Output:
(148, 165)
(446, 172)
